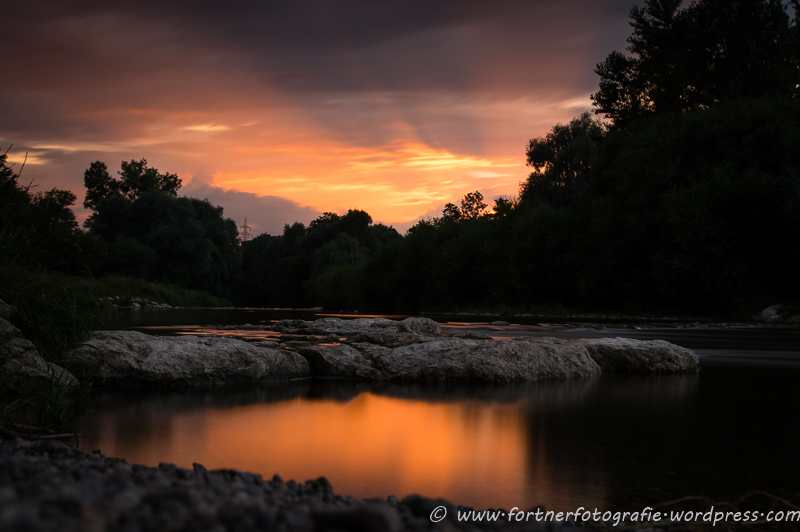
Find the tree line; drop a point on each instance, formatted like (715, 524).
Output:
(685, 198)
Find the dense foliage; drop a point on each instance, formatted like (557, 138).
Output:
(39, 234)
(711, 51)
(146, 231)
(317, 265)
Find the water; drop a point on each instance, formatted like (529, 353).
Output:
(615, 442)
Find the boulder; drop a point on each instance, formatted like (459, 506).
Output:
(129, 358)
(338, 326)
(24, 371)
(421, 326)
(390, 338)
(638, 356)
(341, 361)
(454, 360)
(769, 313)
(472, 335)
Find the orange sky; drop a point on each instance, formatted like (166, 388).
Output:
(281, 113)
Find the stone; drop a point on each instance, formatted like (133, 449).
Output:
(454, 360)
(267, 343)
(342, 361)
(639, 356)
(794, 319)
(21, 366)
(472, 335)
(338, 326)
(390, 338)
(372, 517)
(498, 322)
(130, 358)
(421, 326)
(769, 313)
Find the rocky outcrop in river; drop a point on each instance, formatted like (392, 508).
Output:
(412, 350)
(130, 358)
(454, 360)
(628, 355)
(326, 326)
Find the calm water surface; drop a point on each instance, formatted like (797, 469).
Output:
(614, 442)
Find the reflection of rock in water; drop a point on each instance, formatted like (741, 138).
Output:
(452, 393)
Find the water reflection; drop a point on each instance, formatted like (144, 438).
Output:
(515, 445)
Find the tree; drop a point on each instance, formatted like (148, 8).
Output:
(451, 213)
(472, 205)
(135, 179)
(561, 162)
(41, 226)
(708, 52)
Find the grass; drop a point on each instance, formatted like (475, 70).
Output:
(95, 293)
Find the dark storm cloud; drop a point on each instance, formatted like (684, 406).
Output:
(329, 45)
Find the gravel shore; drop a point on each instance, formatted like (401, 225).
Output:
(48, 486)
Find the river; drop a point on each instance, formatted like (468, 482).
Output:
(610, 442)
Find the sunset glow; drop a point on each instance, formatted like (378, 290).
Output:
(282, 113)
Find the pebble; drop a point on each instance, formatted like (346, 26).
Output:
(48, 486)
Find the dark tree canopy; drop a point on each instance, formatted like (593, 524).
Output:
(561, 162)
(135, 178)
(708, 52)
(39, 226)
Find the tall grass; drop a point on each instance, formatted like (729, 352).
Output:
(92, 292)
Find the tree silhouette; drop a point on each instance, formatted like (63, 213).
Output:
(711, 51)
(135, 178)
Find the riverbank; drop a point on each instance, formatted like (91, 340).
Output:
(49, 486)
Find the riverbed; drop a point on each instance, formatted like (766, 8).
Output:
(615, 442)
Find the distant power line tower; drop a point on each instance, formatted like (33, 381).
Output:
(244, 232)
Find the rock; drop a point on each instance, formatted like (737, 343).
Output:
(291, 324)
(421, 326)
(21, 366)
(267, 343)
(373, 517)
(130, 358)
(358, 325)
(6, 310)
(498, 322)
(454, 360)
(794, 319)
(390, 338)
(342, 361)
(639, 356)
(338, 326)
(769, 312)
(472, 335)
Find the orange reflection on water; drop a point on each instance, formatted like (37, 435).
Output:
(473, 453)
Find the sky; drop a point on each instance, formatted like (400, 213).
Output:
(279, 111)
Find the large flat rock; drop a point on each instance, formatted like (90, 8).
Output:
(454, 360)
(639, 356)
(129, 358)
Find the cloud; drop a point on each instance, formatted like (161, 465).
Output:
(394, 107)
(264, 214)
